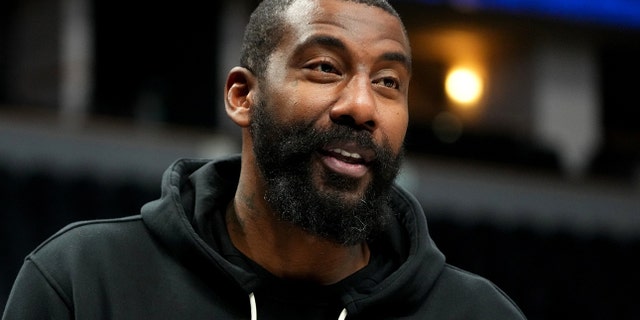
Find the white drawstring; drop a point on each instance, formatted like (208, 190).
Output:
(343, 314)
(254, 309)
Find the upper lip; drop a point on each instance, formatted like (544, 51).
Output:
(352, 151)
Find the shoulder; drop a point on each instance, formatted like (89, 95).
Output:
(82, 253)
(472, 295)
(92, 232)
(85, 244)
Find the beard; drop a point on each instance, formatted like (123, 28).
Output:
(322, 202)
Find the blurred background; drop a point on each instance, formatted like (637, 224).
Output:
(523, 146)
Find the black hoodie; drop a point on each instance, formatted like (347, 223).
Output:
(175, 261)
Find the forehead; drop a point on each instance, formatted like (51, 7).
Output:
(354, 21)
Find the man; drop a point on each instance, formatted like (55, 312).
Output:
(306, 224)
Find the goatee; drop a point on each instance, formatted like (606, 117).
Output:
(330, 206)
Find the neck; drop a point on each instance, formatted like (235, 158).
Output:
(288, 251)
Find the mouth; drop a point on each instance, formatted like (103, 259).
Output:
(348, 160)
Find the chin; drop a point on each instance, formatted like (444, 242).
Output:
(345, 187)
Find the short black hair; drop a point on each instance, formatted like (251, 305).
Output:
(266, 28)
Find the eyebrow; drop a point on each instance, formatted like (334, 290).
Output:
(323, 40)
(333, 42)
(398, 57)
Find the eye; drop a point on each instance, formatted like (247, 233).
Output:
(388, 82)
(324, 67)
(323, 70)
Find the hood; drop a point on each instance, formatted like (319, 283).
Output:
(193, 186)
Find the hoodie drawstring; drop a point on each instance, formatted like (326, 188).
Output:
(343, 314)
(254, 309)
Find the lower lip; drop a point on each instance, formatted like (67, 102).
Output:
(347, 169)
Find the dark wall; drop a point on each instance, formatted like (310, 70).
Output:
(157, 61)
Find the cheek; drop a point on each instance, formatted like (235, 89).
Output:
(282, 104)
(395, 127)
(308, 103)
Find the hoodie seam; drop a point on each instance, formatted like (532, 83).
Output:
(80, 224)
(493, 285)
(51, 282)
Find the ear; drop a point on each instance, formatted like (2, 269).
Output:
(239, 95)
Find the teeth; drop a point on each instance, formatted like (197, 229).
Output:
(347, 154)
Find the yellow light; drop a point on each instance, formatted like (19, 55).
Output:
(464, 86)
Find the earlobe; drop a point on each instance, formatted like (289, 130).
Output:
(239, 95)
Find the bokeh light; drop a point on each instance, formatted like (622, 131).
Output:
(464, 86)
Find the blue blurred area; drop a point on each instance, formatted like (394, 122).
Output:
(609, 12)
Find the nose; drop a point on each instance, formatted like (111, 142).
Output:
(356, 106)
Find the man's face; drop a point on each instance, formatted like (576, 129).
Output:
(331, 117)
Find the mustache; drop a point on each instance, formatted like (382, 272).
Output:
(315, 139)
(385, 161)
